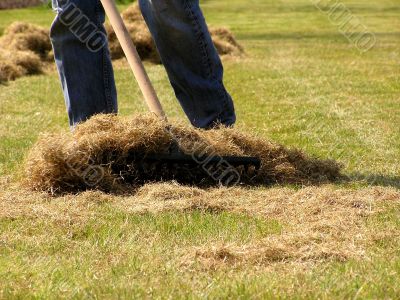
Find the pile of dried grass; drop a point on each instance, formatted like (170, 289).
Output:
(225, 42)
(223, 39)
(87, 159)
(23, 48)
(14, 64)
(142, 39)
(23, 36)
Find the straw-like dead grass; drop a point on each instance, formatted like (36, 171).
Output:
(88, 158)
(14, 64)
(23, 36)
(9, 71)
(23, 48)
(225, 42)
(142, 39)
(319, 224)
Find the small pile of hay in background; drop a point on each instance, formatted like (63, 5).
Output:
(24, 49)
(27, 37)
(223, 39)
(85, 159)
(139, 33)
(225, 42)
(15, 64)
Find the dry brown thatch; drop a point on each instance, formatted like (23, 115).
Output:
(9, 71)
(18, 63)
(318, 224)
(23, 47)
(88, 158)
(132, 14)
(323, 223)
(225, 42)
(26, 37)
(142, 39)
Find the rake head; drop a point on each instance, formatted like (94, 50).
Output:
(188, 169)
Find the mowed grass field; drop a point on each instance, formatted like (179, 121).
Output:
(301, 84)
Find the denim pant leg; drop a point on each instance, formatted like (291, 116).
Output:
(191, 60)
(83, 59)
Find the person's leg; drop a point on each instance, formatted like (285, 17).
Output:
(191, 60)
(83, 59)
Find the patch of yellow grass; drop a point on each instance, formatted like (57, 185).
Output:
(320, 224)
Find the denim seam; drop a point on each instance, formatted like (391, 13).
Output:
(106, 74)
(206, 58)
(200, 39)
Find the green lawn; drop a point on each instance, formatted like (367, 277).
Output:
(302, 84)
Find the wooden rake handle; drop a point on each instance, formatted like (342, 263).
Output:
(133, 58)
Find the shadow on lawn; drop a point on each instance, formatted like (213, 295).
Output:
(375, 179)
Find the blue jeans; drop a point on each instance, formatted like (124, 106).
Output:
(182, 39)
